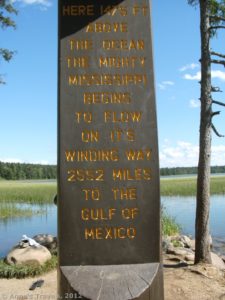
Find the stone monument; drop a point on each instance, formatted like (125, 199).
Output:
(108, 180)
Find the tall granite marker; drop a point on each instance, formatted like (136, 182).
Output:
(109, 207)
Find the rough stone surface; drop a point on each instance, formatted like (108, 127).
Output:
(47, 240)
(186, 241)
(217, 261)
(28, 255)
(179, 251)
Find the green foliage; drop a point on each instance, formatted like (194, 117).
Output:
(27, 192)
(12, 210)
(15, 171)
(169, 225)
(22, 271)
(189, 170)
(187, 186)
(6, 10)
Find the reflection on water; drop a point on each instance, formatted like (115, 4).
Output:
(182, 208)
(12, 229)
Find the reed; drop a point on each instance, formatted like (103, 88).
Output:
(187, 186)
(33, 192)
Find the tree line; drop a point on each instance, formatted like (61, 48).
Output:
(188, 170)
(17, 171)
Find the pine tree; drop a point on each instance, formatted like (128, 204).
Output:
(6, 10)
(212, 19)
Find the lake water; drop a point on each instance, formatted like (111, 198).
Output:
(181, 208)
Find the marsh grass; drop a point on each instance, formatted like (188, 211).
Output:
(187, 186)
(169, 225)
(22, 271)
(32, 192)
(12, 210)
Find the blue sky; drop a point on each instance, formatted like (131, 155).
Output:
(28, 114)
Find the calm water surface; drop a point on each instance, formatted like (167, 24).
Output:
(181, 208)
(11, 230)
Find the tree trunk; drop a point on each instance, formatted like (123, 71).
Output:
(202, 252)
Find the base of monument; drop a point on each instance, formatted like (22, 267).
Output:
(116, 282)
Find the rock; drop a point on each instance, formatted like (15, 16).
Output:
(223, 258)
(190, 257)
(165, 243)
(192, 244)
(186, 241)
(28, 255)
(47, 240)
(210, 241)
(217, 261)
(179, 251)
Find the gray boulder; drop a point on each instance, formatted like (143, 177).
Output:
(217, 261)
(26, 254)
(48, 241)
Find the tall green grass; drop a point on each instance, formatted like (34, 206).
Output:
(169, 225)
(33, 192)
(187, 186)
(12, 210)
(22, 271)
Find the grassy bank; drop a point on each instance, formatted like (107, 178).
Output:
(22, 271)
(37, 192)
(187, 186)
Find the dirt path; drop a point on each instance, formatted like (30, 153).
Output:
(181, 283)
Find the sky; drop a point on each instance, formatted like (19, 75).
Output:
(28, 100)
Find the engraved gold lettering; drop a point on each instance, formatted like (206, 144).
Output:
(81, 44)
(123, 45)
(85, 175)
(106, 233)
(97, 214)
(131, 233)
(107, 98)
(92, 194)
(83, 116)
(129, 213)
(131, 175)
(107, 79)
(78, 62)
(122, 117)
(107, 27)
(124, 193)
(89, 233)
(121, 62)
(90, 136)
(112, 10)
(78, 10)
(140, 10)
(138, 154)
(92, 155)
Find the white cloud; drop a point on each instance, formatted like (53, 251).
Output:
(43, 3)
(197, 76)
(164, 84)
(20, 161)
(11, 160)
(189, 67)
(218, 74)
(214, 73)
(194, 103)
(185, 154)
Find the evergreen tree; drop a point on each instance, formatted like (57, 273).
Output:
(6, 10)
(212, 18)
